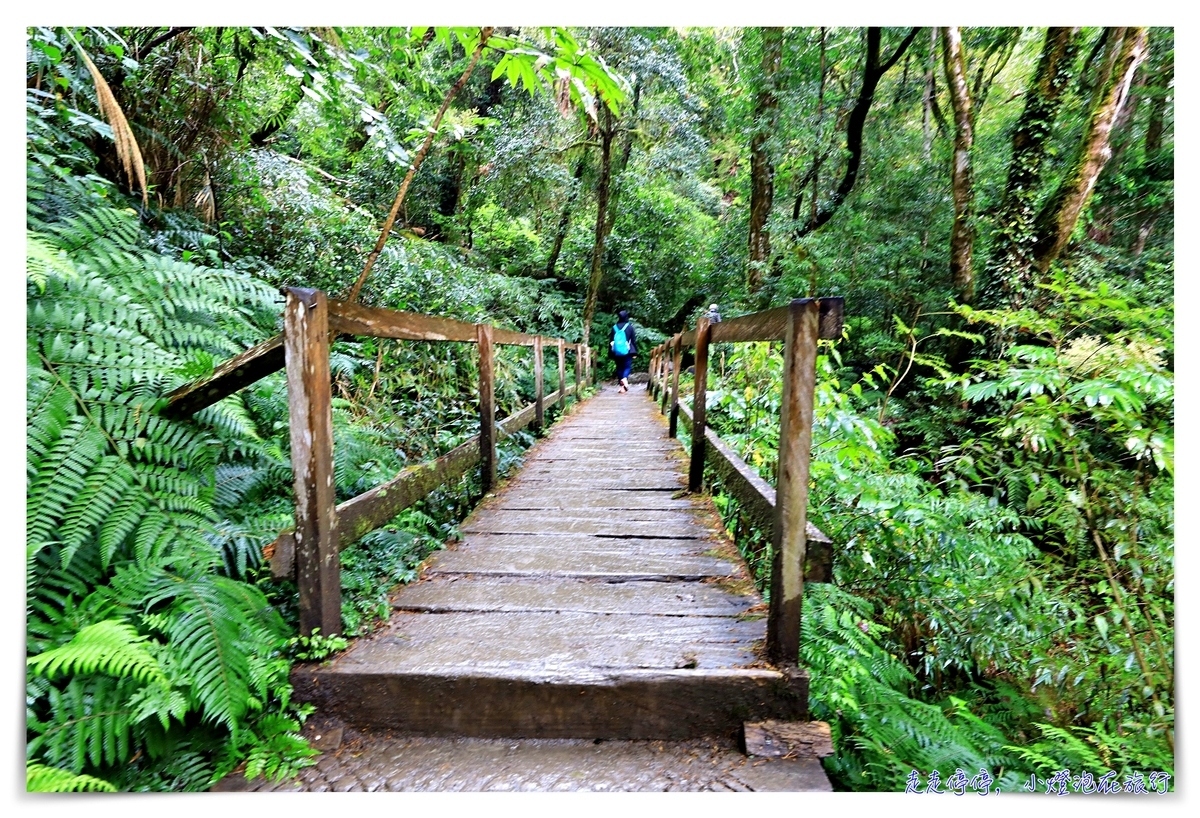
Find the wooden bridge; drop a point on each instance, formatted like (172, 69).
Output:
(594, 594)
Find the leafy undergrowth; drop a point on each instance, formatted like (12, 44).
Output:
(1008, 605)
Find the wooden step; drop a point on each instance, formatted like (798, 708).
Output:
(587, 599)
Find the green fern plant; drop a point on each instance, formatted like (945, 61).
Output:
(135, 638)
(42, 778)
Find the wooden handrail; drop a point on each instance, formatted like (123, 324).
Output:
(345, 318)
(785, 509)
(365, 512)
(310, 551)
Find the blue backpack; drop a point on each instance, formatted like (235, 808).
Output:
(620, 342)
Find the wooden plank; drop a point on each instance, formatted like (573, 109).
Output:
(667, 368)
(306, 353)
(768, 325)
(516, 421)
(755, 495)
(487, 409)
(362, 514)
(241, 370)
(627, 703)
(378, 322)
(791, 497)
(788, 739)
(510, 337)
(699, 409)
(579, 367)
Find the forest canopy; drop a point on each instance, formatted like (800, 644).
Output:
(993, 448)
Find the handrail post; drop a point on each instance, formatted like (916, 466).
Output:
(310, 426)
(578, 370)
(539, 401)
(699, 399)
(673, 421)
(487, 409)
(650, 383)
(791, 492)
(562, 375)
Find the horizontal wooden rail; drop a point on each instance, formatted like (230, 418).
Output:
(379, 322)
(309, 552)
(240, 371)
(771, 325)
(800, 551)
(366, 512)
(756, 499)
(344, 319)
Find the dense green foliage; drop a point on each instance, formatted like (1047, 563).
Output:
(996, 474)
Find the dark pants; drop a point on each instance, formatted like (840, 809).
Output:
(624, 365)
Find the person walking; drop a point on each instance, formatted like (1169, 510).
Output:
(623, 347)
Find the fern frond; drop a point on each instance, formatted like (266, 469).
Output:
(41, 778)
(89, 723)
(61, 476)
(205, 632)
(112, 647)
(43, 260)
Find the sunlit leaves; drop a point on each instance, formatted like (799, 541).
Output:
(575, 72)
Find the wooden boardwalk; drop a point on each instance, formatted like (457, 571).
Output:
(589, 597)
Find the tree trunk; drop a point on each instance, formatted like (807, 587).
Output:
(1155, 125)
(873, 71)
(564, 221)
(1057, 220)
(1011, 271)
(618, 169)
(762, 171)
(356, 288)
(1158, 107)
(816, 180)
(930, 95)
(962, 234)
(608, 130)
(607, 195)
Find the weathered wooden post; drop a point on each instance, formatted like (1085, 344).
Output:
(673, 422)
(650, 383)
(791, 486)
(539, 401)
(699, 399)
(487, 408)
(310, 419)
(578, 368)
(655, 371)
(562, 375)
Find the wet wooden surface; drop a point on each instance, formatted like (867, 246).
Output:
(590, 596)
